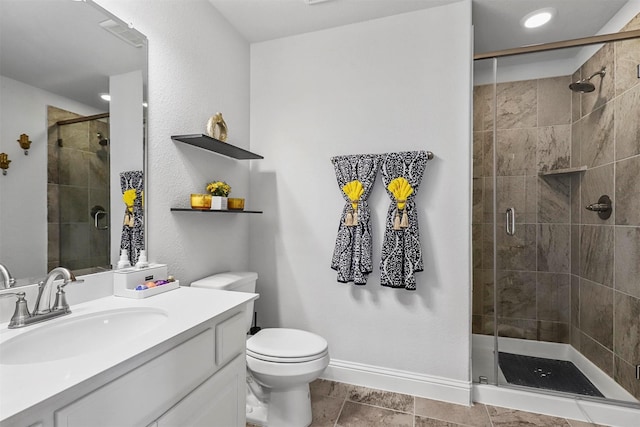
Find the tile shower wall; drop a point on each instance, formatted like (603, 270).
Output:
(78, 179)
(533, 135)
(567, 275)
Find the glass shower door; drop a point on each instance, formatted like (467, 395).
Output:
(79, 236)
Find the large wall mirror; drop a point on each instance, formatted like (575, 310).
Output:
(61, 201)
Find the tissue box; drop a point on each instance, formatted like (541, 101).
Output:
(126, 280)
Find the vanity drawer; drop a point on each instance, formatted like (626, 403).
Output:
(139, 396)
(231, 338)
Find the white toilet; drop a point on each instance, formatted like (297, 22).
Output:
(280, 363)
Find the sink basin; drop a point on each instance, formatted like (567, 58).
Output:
(63, 338)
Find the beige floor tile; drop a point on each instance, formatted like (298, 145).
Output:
(384, 399)
(328, 388)
(358, 415)
(325, 410)
(430, 422)
(503, 417)
(475, 415)
(576, 423)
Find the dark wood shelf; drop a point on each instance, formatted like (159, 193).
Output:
(214, 210)
(217, 146)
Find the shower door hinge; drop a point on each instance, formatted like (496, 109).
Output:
(638, 372)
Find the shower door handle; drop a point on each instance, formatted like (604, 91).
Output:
(511, 221)
(96, 219)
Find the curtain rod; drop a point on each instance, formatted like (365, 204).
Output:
(584, 41)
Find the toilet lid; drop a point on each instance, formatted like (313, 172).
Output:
(286, 345)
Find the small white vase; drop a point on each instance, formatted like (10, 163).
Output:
(218, 203)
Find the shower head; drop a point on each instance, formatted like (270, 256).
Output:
(585, 85)
(102, 140)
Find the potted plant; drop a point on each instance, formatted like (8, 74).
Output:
(219, 192)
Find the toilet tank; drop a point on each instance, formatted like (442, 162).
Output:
(237, 281)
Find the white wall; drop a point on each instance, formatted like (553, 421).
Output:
(198, 65)
(393, 84)
(126, 143)
(23, 191)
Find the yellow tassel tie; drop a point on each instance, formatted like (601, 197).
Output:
(401, 190)
(396, 221)
(348, 220)
(354, 191)
(404, 223)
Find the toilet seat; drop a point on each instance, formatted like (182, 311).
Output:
(283, 345)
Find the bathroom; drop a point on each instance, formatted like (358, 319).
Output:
(299, 101)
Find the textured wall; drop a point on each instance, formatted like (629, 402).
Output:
(374, 87)
(198, 65)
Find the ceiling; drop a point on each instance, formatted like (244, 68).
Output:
(36, 52)
(59, 46)
(496, 22)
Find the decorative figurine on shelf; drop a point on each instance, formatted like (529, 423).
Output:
(217, 128)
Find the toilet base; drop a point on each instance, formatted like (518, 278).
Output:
(285, 408)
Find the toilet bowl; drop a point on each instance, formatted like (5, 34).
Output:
(281, 362)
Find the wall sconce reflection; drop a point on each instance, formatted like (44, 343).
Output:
(4, 163)
(25, 144)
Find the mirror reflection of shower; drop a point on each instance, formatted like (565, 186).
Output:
(102, 140)
(78, 179)
(585, 85)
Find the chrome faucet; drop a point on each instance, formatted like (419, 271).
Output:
(43, 309)
(7, 280)
(44, 288)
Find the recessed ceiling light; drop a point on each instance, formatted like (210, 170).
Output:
(538, 18)
(105, 96)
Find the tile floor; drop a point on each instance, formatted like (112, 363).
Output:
(343, 405)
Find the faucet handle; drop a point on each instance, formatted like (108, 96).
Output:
(60, 303)
(21, 313)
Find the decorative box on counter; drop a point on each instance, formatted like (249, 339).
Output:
(126, 281)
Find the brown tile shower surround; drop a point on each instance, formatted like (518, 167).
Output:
(343, 405)
(78, 178)
(567, 276)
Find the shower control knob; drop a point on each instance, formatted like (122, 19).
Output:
(603, 207)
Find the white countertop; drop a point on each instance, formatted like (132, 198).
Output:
(23, 386)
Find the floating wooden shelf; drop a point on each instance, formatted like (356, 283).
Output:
(564, 171)
(217, 210)
(217, 146)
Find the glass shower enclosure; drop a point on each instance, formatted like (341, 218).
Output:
(78, 191)
(556, 223)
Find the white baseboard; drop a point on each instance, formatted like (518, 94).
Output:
(427, 386)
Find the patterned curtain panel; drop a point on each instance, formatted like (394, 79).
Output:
(352, 257)
(132, 185)
(401, 252)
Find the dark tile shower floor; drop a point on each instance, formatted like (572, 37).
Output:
(548, 374)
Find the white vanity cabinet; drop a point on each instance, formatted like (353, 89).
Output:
(218, 402)
(209, 387)
(194, 378)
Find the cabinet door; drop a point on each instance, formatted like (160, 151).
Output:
(218, 402)
(137, 397)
